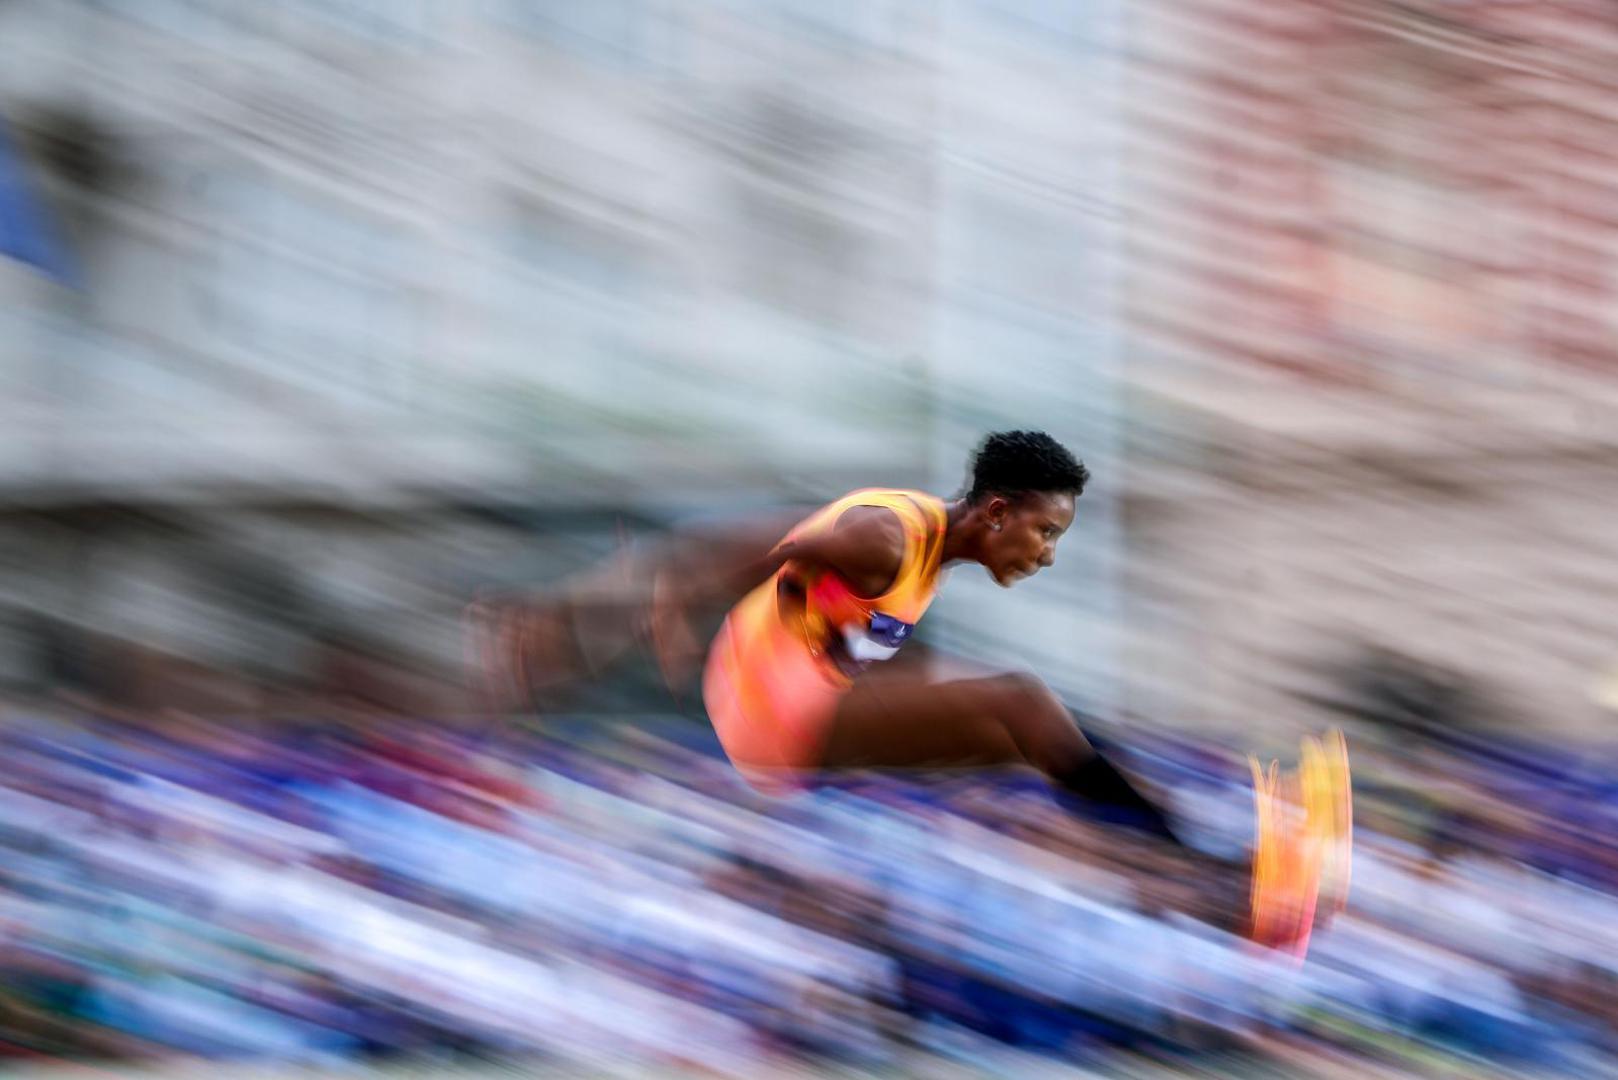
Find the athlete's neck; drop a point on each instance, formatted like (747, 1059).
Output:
(963, 531)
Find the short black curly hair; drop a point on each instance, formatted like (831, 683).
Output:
(1013, 463)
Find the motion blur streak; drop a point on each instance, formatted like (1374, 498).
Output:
(319, 318)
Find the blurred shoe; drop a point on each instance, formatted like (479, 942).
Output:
(1303, 842)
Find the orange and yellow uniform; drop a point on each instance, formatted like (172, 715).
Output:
(788, 651)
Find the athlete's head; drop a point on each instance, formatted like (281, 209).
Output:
(1024, 484)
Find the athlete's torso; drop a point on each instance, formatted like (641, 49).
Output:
(816, 609)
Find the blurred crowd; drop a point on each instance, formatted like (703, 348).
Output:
(610, 895)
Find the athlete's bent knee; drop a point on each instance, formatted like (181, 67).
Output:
(1036, 720)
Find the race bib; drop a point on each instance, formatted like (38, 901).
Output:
(878, 640)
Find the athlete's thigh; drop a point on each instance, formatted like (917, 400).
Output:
(900, 719)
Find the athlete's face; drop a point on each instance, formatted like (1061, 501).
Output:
(1023, 533)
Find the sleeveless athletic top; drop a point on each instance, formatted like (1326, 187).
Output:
(867, 629)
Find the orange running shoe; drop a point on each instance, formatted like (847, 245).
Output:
(1303, 841)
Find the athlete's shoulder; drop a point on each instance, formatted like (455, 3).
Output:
(900, 500)
(865, 543)
(877, 525)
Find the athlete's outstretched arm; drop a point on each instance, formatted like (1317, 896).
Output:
(549, 639)
(865, 547)
(718, 566)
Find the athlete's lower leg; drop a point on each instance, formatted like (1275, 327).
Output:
(993, 720)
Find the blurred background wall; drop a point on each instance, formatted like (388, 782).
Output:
(384, 301)
(1370, 269)
(381, 302)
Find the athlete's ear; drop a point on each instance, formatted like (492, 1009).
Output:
(995, 511)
